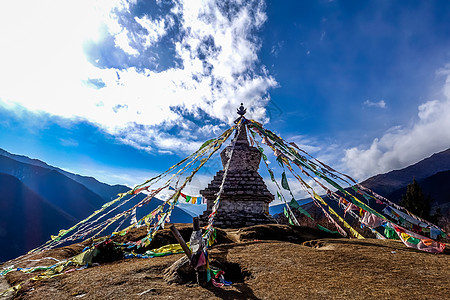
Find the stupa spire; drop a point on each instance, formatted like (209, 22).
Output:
(242, 137)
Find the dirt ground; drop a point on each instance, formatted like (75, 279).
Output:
(266, 262)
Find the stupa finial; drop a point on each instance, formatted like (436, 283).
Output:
(241, 110)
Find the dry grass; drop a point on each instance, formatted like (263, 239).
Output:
(319, 269)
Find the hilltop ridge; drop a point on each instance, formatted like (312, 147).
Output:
(262, 262)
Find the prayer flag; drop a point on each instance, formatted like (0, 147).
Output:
(284, 182)
(294, 204)
(287, 216)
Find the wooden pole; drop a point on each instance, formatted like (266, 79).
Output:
(180, 240)
(201, 271)
(196, 223)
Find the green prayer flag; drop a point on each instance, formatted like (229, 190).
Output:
(390, 233)
(188, 198)
(284, 182)
(287, 216)
(413, 240)
(206, 144)
(303, 211)
(326, 229)
(262, 153)
(280, 161)
(367, 197)
(294, 204)
(271, 175)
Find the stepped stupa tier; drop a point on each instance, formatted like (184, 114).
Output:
(245, 198)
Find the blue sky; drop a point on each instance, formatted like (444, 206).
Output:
(121, 90)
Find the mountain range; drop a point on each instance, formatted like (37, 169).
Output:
(37, 200)
(432, 174)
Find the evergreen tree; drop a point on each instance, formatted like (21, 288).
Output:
(416, 202)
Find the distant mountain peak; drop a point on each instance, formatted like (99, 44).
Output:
(390, 181)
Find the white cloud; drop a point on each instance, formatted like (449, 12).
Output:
(379, 104)
(402, 146)
(144, 32)
(44, 67)
(155, 29)
(277, 48)
(111, 175)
